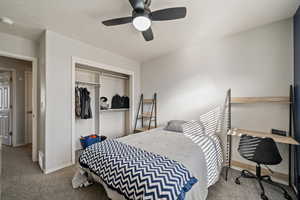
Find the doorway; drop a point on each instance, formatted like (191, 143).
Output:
(18, 122)
(5, 108)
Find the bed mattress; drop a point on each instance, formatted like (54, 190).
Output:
(176, 146)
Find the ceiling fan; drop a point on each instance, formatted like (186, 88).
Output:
(142, 17)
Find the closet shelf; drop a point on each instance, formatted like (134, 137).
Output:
(115, 110)
(87, 83)
(241, 100)
(276, 138)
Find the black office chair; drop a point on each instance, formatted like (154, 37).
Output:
(262, 151)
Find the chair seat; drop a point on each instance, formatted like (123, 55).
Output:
(259, 150)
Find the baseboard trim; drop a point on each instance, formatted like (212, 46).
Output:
(278, 176)
(49, 171)
(19, 145)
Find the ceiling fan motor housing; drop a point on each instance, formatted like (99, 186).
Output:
(141, 13)
(141, 19)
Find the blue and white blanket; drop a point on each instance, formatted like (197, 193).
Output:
(135, 173)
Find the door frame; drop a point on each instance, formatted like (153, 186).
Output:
(76, 60)
(26, 91)
(34, 62)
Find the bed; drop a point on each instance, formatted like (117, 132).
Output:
(192, 155)
(178, 147)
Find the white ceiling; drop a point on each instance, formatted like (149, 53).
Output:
(81, 20)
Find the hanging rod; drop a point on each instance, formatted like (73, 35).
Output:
(87, 70)
(102, 73)
(88, 83)
(114, 76)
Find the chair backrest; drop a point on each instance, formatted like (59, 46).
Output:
(259, 150)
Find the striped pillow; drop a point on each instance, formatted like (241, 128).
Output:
(210, 121)
(195, 131)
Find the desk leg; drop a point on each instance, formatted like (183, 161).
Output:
(290, 165)
(229, 149)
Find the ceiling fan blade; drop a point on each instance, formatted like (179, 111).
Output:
(117, 21)
(137, 4)
(148, 35)
(168, 14)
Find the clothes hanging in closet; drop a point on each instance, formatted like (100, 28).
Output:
(83, 103)
(77, 102)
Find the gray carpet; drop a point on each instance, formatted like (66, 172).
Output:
(22, 180)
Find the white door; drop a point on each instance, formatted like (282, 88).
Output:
(5, 108)
(28, 107)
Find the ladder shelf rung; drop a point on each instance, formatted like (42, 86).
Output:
(148, 101)
(145, 128)
(146, 117)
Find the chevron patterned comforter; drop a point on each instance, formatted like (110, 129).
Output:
(175, 146)
(136, 173)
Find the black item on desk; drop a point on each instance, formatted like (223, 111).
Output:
(262, 151)
(278, 132)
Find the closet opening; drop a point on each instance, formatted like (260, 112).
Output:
(97, 91)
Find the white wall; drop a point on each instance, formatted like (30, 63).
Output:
(258, 62)
(41, 94)
(17, 45)
(60, 49)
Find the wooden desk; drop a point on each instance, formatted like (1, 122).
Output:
(288, 100)
(276, 138)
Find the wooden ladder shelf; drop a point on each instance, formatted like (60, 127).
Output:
(149, 117)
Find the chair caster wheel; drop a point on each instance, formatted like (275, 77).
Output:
(264, 197)
(287, 196)
(237, 181)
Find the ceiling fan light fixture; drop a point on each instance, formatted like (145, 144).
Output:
(141, 17)
(141, 23)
